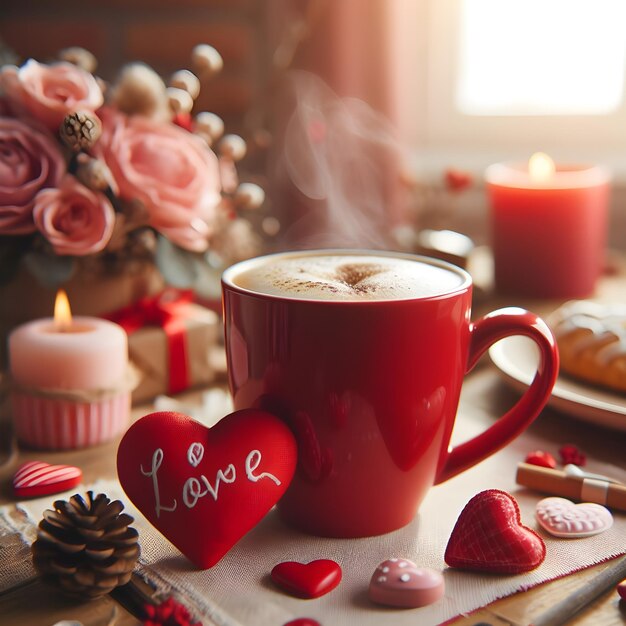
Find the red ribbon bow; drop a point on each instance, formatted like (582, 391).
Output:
(166, 310)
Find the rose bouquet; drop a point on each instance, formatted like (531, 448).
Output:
(95, 174)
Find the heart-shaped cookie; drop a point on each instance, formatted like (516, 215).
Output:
(37, 478)
(489, 536)
(399, 582)
(307, 580)
(205, 488)
(562, 518)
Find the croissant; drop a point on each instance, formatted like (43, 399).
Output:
(592, 342)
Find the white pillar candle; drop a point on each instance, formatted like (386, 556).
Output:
(89, 354)
(71, 380)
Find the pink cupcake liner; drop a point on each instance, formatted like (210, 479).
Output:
(62, 424)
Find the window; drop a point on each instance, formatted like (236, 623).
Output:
(538, 57)
(502, 79)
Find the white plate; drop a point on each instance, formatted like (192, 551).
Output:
(517, 358)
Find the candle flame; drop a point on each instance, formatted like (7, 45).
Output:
(62, 311)
(540, 168)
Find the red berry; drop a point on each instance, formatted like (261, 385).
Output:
(457, 180)
(183, 120)
(621, 589)
(539, 457)
(571, 454)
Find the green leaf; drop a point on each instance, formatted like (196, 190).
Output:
(187, 270)
(49, 269)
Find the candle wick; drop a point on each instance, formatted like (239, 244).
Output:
(63, 326)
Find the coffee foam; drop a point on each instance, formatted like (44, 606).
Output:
(348, 278)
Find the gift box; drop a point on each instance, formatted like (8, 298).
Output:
(173, 343)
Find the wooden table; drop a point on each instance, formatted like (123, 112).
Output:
(484, 397)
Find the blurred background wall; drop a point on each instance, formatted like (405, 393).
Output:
(160, 33)
(400, 56)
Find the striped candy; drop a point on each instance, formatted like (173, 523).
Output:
(37, 478)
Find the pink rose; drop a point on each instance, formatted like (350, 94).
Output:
(172, 172)
(5, 109)
(49, 92)
(30, 160)
(74, 219)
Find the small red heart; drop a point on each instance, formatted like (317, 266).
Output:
(310, 580)
(303, 621)
(541, 458)
(202, 488)
(37, 478)
(489, 537)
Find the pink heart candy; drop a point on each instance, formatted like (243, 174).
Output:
(399, 582)
(562, 518)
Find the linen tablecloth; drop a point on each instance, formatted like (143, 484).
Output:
(238, 590)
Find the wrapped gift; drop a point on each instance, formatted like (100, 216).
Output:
(173, 342)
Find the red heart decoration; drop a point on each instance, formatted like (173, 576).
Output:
(489, 537)
(37, 478)
(541, 458)
(205, 488)
(310, 580)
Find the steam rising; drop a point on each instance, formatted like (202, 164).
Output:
(343, 157)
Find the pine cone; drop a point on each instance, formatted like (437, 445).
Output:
(86, 547)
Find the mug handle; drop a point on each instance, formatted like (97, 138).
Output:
(483, 333)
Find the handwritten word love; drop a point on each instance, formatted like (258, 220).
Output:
(199, 487)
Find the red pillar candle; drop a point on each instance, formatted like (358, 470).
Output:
(549, 227)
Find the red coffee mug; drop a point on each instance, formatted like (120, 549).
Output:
(370, 390)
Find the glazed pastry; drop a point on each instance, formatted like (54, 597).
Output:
(592, 342)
